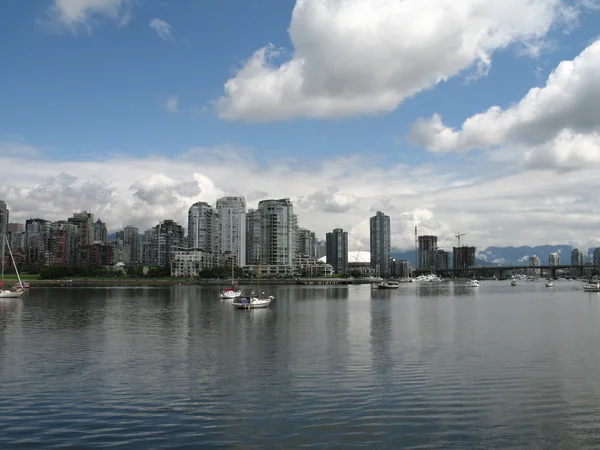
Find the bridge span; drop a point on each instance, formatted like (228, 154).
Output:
(499, 271)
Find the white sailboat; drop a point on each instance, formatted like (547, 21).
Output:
(230, 292)
(253, 302)
(5, 293)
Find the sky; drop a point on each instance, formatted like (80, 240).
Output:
(473, 116)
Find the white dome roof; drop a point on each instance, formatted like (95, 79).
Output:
(354, 256)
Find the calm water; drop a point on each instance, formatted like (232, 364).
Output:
(426, 366)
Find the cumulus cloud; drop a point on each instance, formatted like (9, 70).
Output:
(162, 28)
(172, 104)
(523, 207)
(355, 57)
(82, 14)
(329, 200)
(555, 125)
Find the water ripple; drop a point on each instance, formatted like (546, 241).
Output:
(422, 367)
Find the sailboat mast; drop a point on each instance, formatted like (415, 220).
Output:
(13, 261)
(2, 256)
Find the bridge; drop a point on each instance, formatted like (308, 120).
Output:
(500, 270)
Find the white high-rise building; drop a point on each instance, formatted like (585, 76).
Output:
(201, 227)
(554, 259)
(278, 232)
(230, 227)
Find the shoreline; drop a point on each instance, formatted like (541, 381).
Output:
(181, 282)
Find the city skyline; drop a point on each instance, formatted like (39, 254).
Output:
(487, 125)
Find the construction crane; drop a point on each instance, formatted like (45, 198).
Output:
(458, 235)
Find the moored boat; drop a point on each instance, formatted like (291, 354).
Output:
(252, 302)
(17, 290)
(388, 285)
(230, 293)
(591, 287)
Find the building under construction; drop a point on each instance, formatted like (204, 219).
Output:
(427, 251)
(463, 257)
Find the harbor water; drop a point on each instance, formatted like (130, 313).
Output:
(429, 365)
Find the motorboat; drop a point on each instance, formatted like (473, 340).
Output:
(513, 282)
(472, 283)
(230, 293)
(431, 278)
(549, 283)
(388, 285)
(252, 302)
(591, 287)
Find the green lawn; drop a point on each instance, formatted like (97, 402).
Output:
(10, 276)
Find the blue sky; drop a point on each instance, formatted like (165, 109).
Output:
(90, 88)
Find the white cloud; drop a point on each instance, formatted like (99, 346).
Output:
(162, 28)
(556, 125)
(527, 207)
(81, 14)
(172, 104)
(355, 57)
(328, 200)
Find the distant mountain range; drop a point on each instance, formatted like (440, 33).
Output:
(506, 256)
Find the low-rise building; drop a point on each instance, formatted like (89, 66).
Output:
(189, 262)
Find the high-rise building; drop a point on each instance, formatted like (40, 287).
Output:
(380, 244)
(253, 231)
(401, 268)
(201, 227)
(307, 243)
(442, 261)
(3, 226)
(278, 232)
(337, 250)
(577, 257)
(463, 257)
(167, 235)
(576, 260)
(84, 222)
(145, 252)
(131, 245)
(596, 257)
(231, 228)
(16, 237)
(534, 262)
(554, 259)
(99, 233)
(427, 252)
(63, 243)
(37, 235)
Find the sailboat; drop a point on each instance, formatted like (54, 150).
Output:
(251, 301)
(230, 292)
(19, 290)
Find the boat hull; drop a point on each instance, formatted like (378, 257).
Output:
(254, 303)
(10, 294)
(230, 295)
